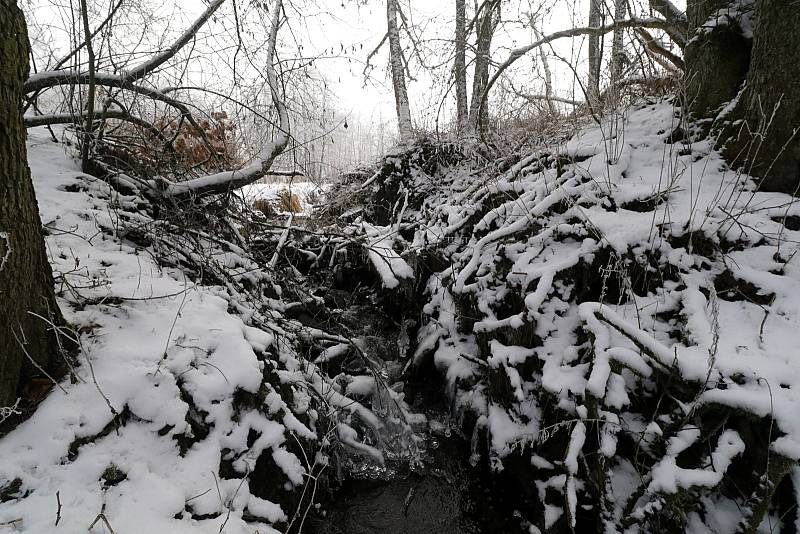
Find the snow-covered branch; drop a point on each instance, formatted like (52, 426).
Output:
(678, 28)
(228, 180)
(52, 78)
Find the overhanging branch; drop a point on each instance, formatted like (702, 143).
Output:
(222, 182)
(572, 32)
(52, 78)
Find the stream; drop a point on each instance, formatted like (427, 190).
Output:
(435, 479)
(446, 488)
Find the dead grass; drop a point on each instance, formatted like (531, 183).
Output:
(288, 201)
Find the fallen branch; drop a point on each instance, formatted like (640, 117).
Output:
(228, 180)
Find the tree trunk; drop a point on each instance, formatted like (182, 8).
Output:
(595, 56)
(617, 53)
(548, 75)
(766, 145)
(617, 44)
(398, 76)
(459, 66)
(717, 58)
(479, 114)
(26, 281)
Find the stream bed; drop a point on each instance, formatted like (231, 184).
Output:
(435, 479)
(449, 489)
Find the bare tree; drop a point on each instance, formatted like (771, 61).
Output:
(517, 53)
(30, 315)
(128, 81)
(460, 67)
(402, 106)
(617, 48)
(595, 55)
(487, 17)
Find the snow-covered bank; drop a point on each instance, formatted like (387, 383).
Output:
(613, 318)
(188, 408)
(600, 301)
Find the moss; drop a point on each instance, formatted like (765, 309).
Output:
(113, 475)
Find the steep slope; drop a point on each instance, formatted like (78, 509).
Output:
(615, 317)
(188, 408)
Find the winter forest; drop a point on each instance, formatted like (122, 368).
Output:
(399, 266)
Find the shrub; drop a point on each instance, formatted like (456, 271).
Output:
(264, 206)
(288, 201)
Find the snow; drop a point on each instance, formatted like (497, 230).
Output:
(574, 293)
(390, 266)
(305, 192)
(151, 338)
(668, 477)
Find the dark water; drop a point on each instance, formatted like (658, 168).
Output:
(443, 493)
(446, 496)
(411, 505)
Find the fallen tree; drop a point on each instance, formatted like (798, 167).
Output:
(128, 81)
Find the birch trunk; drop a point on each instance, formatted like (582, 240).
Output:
(595, 56)
(398, 76)
(459, 66)
(617, 44)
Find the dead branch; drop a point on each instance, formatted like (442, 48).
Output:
(228, 180)
(657, 51)
(679, 28)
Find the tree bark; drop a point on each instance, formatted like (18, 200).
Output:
(595, 57)
(88, 140)
(766, 145)
(28, 345)
(617, 43)
(459, 66)
(404, 126)
(478, 110)
(717, 58)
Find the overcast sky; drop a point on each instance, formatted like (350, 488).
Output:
(343, 32)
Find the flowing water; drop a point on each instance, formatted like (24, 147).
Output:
(432, 481)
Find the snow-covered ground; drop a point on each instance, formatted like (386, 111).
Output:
(150, 339)
(594, 276)
(307, 193)
(621, 311)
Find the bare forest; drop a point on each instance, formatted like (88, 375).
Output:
(393, 266)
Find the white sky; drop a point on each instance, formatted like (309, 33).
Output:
(359, 29)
